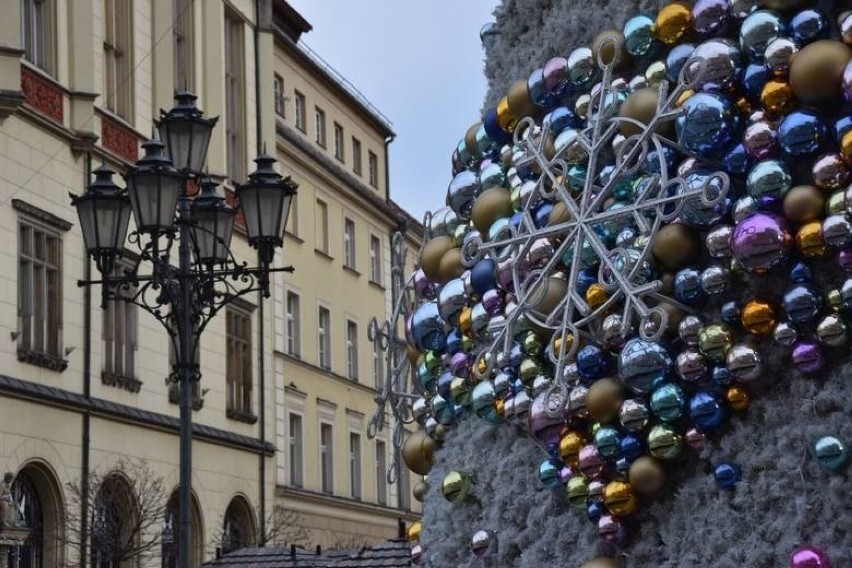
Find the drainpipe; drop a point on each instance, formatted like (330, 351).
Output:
(261, 356)
(388, 140)
(87, 388)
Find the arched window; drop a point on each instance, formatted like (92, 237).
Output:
(114, 519)
(26, 498)
(238, 530)
(169, 537)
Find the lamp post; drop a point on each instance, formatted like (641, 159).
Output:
(183, 298)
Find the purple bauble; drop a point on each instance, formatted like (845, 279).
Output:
(710, 16)
(760, 140)
(807, 357)
(493, 302)
(847, 83)
(504, 275)
(844, 259)
(809, 557)
(590, 461)
(761, 242)
(612, 530)
(565, 474)
(460, 364)
(556, 75)
(423, 287)
(544, 426)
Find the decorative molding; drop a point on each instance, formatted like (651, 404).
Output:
(118, 381)
(41, 215)
(10, 102)
(44, 360)
(83, 141)
(119, 139)
(174, 397)
(241, 416)
(42, 95)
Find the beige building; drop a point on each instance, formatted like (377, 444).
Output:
(334, 143)
(83, 390)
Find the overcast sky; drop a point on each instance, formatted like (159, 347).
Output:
(420, 64)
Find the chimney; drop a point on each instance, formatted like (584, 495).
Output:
(319, 550)
(401, 532)
(293, 551)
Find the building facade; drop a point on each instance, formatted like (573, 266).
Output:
(84, 389)
(334, 143)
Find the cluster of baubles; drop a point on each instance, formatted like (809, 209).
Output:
(770, 104)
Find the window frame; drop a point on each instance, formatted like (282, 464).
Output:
(323, 242)
(376, 259)
(357, 160)
(297, 468)
(324, 338)
(239, 392)
(356, 483)
(300, 111)
(183, 46)
(293, 324)
(326, 451)
(378, 367)
(235, 97)
(120, 338)
(373, 168)
(38, 39)
(320, 125)
(381, 472)
(118, 72)
(339, 143)
(351, 338)
(350, 245)
(278, 93)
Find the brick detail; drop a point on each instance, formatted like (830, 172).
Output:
(42, 95)
(119, 139)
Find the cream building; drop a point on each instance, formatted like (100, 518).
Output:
(82, 389)
(334, 143)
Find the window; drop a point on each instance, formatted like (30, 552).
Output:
(375, 259)
(381, 473)
(324, 337)
(119, 337)
(356, 156)
(355, 464)
(322, 226)
(182, 31)
(239, 366)
(327, 458)
(352, 349)
(338, 142)
(39, 296)
(118, 65)
(374, 168)
(320, 126)
(349, 243)
(37, 33)
(294, 342)
(238, 529)
(234, 97)
(174, 385)
(278, 86)
(300, 112)
(293, 220)
(113, 525)
(378, 367)
(27, 503)
(295, 450)
(404, 488)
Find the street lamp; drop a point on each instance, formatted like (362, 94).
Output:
(208, 276)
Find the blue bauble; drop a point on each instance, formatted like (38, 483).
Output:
(561, 118)
(539, 93)
(492, 175)
(482, 276)
(727, 475)
(730, 312)
(706, 411)
(548, 474)
(542, 214)
(709, 123)
(585, 278)
(808, 26)
(425, 377)
(842, 126)
(800, 273)
(831, 453)
(676, 59)
(639, 38)
(687, 286)
(608, 441)
(427, 328)
(754, 78)
(644, 365)
(592, 362)
(696, 213)
(493, 128)
(769, 178)
(443, 410)
(516, 219)
(721, 376)
(454, 341)
(737, 161)
(667, 402)
(653, 165)
(595, 509)
(802, 133)
(630, 448)
(758, 30)
(802, 304)
(482, 402)
(443, 386)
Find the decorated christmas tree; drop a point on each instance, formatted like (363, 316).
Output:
(628, 340)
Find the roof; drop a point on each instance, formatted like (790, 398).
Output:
(388, 554)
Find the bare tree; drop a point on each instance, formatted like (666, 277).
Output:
(126, 506)
(349, 542)
(283, 527)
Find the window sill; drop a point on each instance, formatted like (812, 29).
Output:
(294, 355)
(294, 237)
(121, 382)
(321, 145)
(357, 173)
(352, 271)
(44, 360)
(241, 416)
(174, 398)
(323, 254)
(377, 285)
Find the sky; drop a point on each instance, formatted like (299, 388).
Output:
(419, 63)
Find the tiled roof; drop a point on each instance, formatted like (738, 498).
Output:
(388, 554)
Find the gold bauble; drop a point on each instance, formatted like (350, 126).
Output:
(804, 203)
(737, 398)
(505, 118)
(620, 498)
(489, 206)
(655, 73)
(612, 49)
(778, 98)
(559, 214)
(556, 344)
(673, 22)
(450, 266)
(470, 140)
(836, 203)
(758, 317)
(428, 447)
(569, 448)
(846, 147)
(413, 453)
(604, 399)
(465, 320)
(675, 246)
(419, 490)
(602, 562)
(683, 97)
(809, 240)
(548, 295)
(520, 103)
(414, 531)
(412, 354)
(816, 71)
(596, 295)
(647, 475)
(641, 105)
(430, 256)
